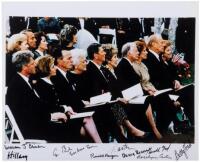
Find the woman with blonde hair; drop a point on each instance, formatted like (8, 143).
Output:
(16, 42)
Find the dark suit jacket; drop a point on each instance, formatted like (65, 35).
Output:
(126, 75)
(113, 84)
(36, 54)
(32, 115)
(66, 94)
(49, 95)
(156, 71)
(185, 38)
(96, 81)
(10, 68)
(79, 81)
(136, 28)
(170, 74)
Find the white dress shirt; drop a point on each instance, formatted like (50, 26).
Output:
(26, 80)
(155, 54)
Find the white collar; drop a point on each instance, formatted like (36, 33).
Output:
(98, 66)
(166, 62)
(155, 54)
(25, 78)
(128, 60)
(41, 53)
(113, 72)
(47, 80)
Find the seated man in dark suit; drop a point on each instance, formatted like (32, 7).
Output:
(67, 93)
(97, 85)
(127, 77)
(32, 114)
(158, 74)
(153, 61)
(95, 76)
(125, 73)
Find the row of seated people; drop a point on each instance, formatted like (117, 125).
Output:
(51, 97)
(79, 88)
(127, 29)
(39, 43)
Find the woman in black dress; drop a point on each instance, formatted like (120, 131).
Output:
(45, 89)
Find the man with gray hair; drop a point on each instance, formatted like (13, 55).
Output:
(154, 61)
(125, 73)
(31, 40)
(31, 114)
(127, 77)
(162, 103)
(159, 77)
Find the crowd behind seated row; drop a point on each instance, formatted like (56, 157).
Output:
(127, 29)
(50, 79)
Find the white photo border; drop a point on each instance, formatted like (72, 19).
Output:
(102, 151)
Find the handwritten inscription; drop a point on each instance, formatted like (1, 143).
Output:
(147, 153)
(118, 151)
(64, 149)
(71, 151)
(182, 151)
(124, 147)
(110, 156)
(11, 147)
(126, 155)
(16, 155)
(32, 146)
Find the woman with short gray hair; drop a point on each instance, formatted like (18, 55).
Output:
(78, 55)
(77, 76)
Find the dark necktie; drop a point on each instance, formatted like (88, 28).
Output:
(102, 69)
(160, 58)
(31, 86)
(67, 76)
